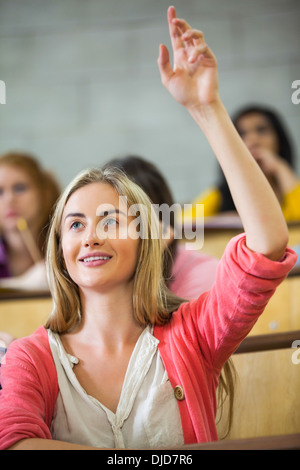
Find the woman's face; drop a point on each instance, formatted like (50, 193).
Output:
(257, 133)
(19, 197)
(98, 252)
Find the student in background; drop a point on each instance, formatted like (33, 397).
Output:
(188, 273)
(123, 362)
(263, 132)
(27, 196)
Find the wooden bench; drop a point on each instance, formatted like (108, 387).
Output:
(280, 442)
(282, 312)
(267, 398)
(21, 313)
(219, 230)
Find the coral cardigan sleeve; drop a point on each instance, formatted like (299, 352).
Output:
(244, 284)
(220, 319)
(203, 333)
(29, 390)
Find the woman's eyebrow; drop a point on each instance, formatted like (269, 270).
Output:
(75, 214)
(105, 213)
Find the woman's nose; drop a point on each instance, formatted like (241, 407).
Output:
(91, 239)
(9, 196)
(251, 138)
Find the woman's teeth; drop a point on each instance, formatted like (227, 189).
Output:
(95, 258)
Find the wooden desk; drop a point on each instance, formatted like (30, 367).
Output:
(282, 312)
(280, 442)
(219, 230)
(267, 399)
(21, 313)
(268, 342)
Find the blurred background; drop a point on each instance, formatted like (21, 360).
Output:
(82, 83)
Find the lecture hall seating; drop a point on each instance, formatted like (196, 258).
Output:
(267, 400)
(21, 313)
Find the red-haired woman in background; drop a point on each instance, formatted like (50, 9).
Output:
(27, 195)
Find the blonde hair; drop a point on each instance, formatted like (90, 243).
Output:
(153, 305)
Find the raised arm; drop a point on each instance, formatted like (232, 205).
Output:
(193, 82)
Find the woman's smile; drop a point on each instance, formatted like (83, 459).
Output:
(95, 259)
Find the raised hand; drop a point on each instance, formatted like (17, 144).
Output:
(193, 82)
(193, 79)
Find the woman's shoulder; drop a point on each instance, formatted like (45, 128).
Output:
(35, 346)
(31, 356)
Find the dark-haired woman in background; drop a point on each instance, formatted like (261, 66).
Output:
(268, 141)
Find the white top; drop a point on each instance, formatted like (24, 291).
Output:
(147, 414)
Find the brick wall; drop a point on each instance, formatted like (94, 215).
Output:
(82, 83)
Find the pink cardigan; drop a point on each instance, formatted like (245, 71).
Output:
(194, 345)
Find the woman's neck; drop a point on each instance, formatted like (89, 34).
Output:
(109, 317)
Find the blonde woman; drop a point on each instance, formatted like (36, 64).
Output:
(122, 362)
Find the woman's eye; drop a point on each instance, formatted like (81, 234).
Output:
(76, 225)
(110, 222)
(20, 187)
(262, 129)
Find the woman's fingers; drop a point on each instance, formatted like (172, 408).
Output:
(182, 25)
(183, 36)
(192, 79)
(198, 52)
(193, 35)
(164, 65)
(175, 32)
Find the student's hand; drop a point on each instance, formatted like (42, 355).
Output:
(193, 80)
(269, 162)
(273, 166)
